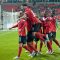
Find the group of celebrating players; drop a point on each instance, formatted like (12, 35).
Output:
(31, 29)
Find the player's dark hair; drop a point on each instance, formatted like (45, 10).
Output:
(24, 4)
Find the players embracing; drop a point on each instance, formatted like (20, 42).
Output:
(31, 30)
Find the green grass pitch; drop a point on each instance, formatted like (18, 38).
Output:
(9, 48)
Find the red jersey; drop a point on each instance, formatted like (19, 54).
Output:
(44, 24)
(52, 24)
(21, 27)
(29, 25)
(31, 15)
(49, 20)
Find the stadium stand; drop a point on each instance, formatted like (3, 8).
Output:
(36, 5)
(10, 7)
(52, 5)
(57, 11)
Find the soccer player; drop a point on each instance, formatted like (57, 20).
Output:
(52, 28)
(46, 31)
(30, 41)
(41, 36)
(38, 37)
(33, 19)
(22, 30)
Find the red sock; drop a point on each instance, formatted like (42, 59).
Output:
(36, 45)
(33, 47)
(41, 44)
(30, 47)
(51, 42)
(49, 46)
(19, 51)
(27, 48)
(56, 41)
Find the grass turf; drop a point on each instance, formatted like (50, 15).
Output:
(9, 48)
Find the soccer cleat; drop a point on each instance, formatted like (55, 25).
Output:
(49, 52)
(38, 53)
(16, 58)
(33, 53)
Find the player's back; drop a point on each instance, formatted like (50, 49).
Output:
(31, 15)
(29, 25)
(52, 24)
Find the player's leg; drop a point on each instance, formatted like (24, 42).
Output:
(24, 40)
(20, 48)
(36, 41)
(48, 43)
(51, 42)
(34, 50)
(54, 39)
(27, 48)
(41, 44)
(40, 36)
(37, 34)
(50, 37)
(19, 51)
(33, 42)
(30, 41)
(31, 46)
(35, 29)
(47, 40)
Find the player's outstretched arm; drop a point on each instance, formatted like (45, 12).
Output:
(14, 26)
